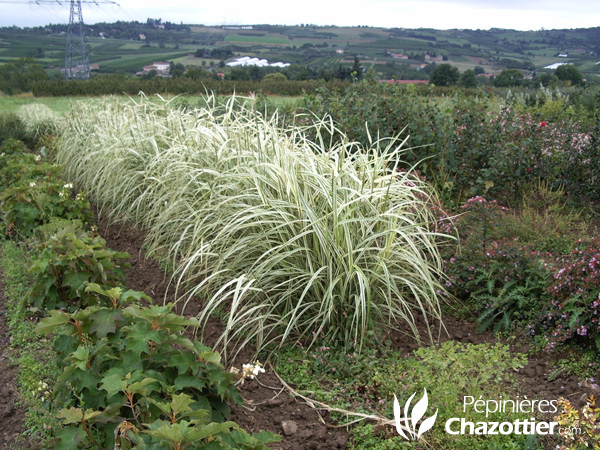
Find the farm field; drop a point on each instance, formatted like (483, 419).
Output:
(350, 269)
(127, 47)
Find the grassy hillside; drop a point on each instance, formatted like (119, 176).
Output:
(127, 47)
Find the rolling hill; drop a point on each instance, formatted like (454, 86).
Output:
(125, 47)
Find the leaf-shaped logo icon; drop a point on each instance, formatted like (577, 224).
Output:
(398, 419)
(427, 424)
(418, 411)
(409, 432)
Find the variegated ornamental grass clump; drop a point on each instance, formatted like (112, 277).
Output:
(292, 238)
(39, 120)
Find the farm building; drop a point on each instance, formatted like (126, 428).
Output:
(162, 68)
(248, 61)
(555, 65)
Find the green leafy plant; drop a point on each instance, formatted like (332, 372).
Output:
(12, 127)
(131, 377)
(501, 278)
(512, 302)
(24, 167)
(471, 144)
(586, 421)
(67, 262)
(29, 204)
(11, 147)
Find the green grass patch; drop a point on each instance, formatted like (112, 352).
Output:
(367, 382)
(35, 357)
(59, 105)
(257, 39)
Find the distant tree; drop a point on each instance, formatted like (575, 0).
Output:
(298, 72)
(342, 73)
(255, 73)
(429, 68)
(18, 76)
(238, 74)
(479, 70)
(356, 70)
(444, 75)
(176, 69)
(569, 73)
(324, 74)
(149, 75)
(546, 79)
(276, 77)
(509, 78)
(195, 73)
(468, 79)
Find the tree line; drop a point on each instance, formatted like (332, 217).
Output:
(448, 75)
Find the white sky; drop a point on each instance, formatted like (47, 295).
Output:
(437, 14)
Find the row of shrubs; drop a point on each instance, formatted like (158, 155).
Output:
(120, 84)
(535, 269)
(481, 143)
(129, 376)
(518, 265)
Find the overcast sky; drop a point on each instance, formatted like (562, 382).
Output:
(438, 14)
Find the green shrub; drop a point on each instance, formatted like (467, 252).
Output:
(56, 225)
(22, 168)
(509, 288)
(469, 145)
(10, 147)
(66, 263)
(131, 379)
(29, 204)
(574, 309)
(12, 127)
(501, 278)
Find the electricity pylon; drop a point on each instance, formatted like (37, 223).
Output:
(77, 64)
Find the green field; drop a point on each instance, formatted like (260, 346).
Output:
(58, 104)
(257, 39)
(126, 48)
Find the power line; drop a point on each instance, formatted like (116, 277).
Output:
(77, 65)
(59, 2)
